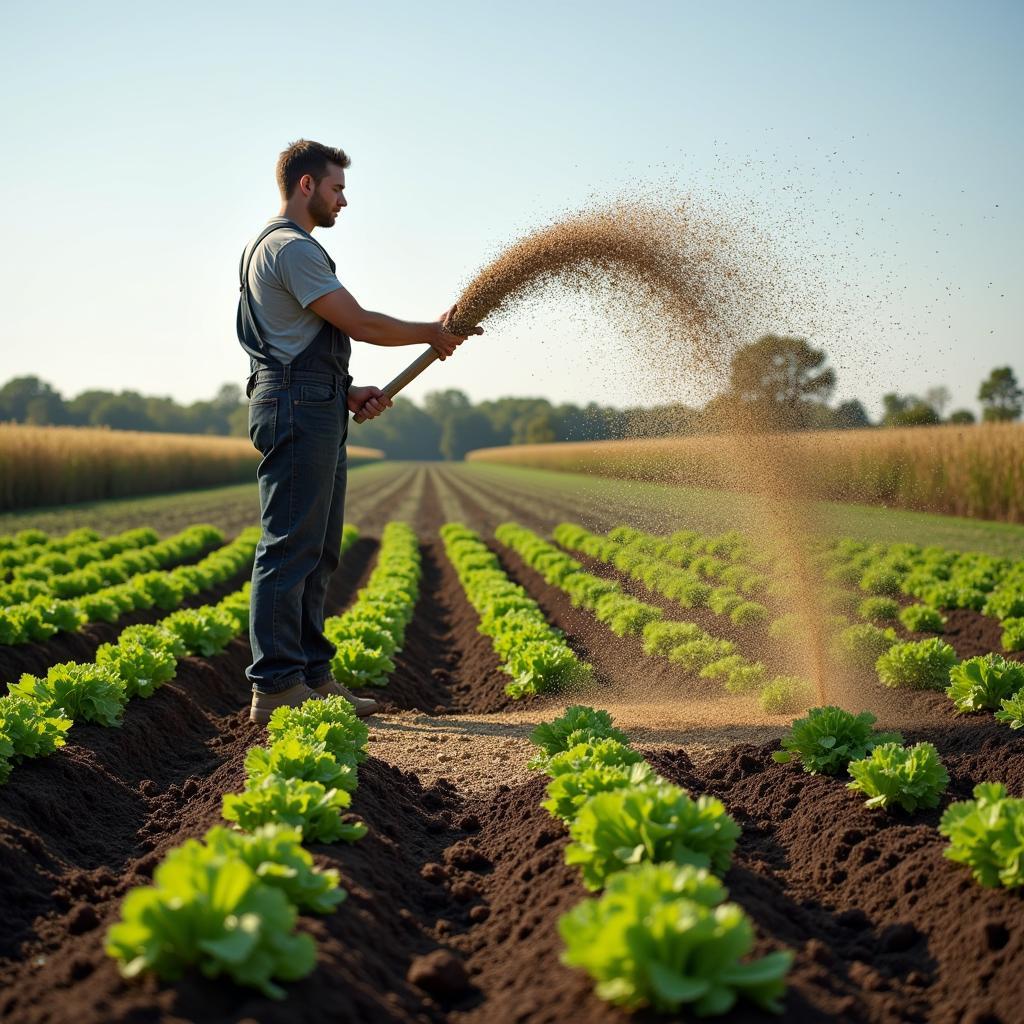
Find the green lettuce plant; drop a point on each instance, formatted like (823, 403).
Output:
(987, 834)
(749, 613)
(662, 936)
(355, 664)
(1011, 711)
(917, 665)
(295, 755)
(980, 684)
(214, 914)
(625, 615)
(307, 806)
(1013, 634)
(878, 609)
(31, 729)
(655, 821)
(596, 753)
(577, 724)
(784, 695)
(330, 721)
(921, 618)
(86, 693)
(205, 631)
(861, 645)
(569, 791)
(660, 637)
(275, 854)
(140, 667)
(912, 777)
(829, 738)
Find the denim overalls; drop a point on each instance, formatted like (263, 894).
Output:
(298, 421)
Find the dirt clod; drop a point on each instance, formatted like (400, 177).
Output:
(440, 973)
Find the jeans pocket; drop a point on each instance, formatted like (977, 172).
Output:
(317, 394)
(263, 424)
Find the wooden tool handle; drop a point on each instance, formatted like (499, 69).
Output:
(407, 376)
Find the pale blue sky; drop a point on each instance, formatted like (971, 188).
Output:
(876, 144)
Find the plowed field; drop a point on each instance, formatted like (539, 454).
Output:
(460, 857)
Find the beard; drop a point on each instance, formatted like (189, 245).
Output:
(321, 211)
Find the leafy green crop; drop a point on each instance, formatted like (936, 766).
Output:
(87, 693)
(660, 637)
(544, 665)
(31, 729)
(330, 721)
(215, 914)
(1013, 634)
(829, 738)
(275, 853)
(141, 668)
(784, 695)
(307, 806)
(861, 645)
(154, 636)
(660, 935)
(578, 724)
(205, 630)
(1011, 712)
(355, 664)
(597, 753)
(655, 821)
(296, 756)
(878, 609)
(625, 615)
(987, 834)
(912, 777)
(569, 791)
(980, 684)
(917, 665)
(920, 618)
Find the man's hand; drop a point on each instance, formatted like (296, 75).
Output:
(445, 343)
(370, 402)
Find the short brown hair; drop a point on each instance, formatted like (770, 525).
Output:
(306, 157)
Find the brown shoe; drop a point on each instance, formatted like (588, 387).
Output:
(264, 704)
(362, 706)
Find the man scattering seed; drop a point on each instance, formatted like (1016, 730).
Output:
(295, 321)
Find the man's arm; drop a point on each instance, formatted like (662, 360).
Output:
(340, 308)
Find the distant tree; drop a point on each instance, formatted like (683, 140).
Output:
(463, 431)
(907, 411)
(31, 400)
(850, 415)
(126, 411)
(403, 432)
(962, 416)
(81, 406)
(1002, 399)
(540, 429)
(777, 377)
(938, 398)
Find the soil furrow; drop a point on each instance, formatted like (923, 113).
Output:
(82, 646)
(445, 665)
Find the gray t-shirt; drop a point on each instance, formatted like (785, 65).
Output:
(287, 273)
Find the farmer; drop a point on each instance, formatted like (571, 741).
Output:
(295, 321)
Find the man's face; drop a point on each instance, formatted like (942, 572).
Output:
(328, 198)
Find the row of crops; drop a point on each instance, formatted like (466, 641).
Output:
(659, 929)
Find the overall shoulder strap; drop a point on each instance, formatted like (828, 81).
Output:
(243, 263)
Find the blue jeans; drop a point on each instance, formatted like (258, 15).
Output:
(300, 428)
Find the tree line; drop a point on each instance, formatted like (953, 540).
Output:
(775, 383)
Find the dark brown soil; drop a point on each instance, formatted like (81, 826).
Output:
(454, 897)
(81, 646)
(445, 665)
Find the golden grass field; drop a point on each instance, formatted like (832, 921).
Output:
(975, 471)
(61, 465)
